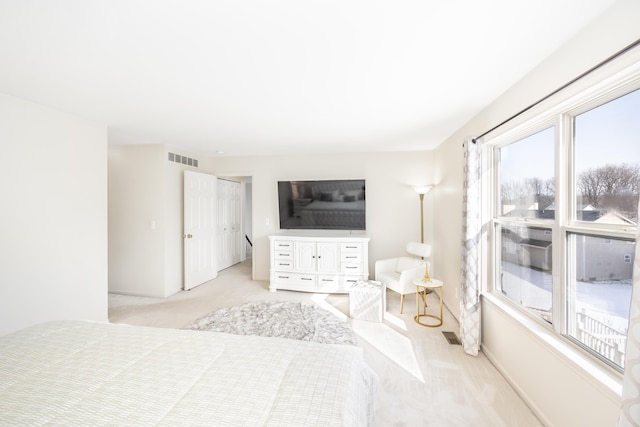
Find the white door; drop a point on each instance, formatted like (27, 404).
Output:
(229, 223)
(224, 258)
(200, 194)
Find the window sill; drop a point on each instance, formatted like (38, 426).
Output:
(602, 376)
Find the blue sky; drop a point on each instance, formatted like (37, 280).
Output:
(609, 134)
(528, 158)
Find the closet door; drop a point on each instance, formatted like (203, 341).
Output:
(229, 223)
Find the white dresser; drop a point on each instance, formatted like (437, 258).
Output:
(327, 263)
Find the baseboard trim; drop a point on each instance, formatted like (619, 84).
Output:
(134, 294)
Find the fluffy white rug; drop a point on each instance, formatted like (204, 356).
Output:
(278, 319)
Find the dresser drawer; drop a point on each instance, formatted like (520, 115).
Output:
(350, 258)
(327, 280)
(283, 245)
(280, 254)
(330, 283)
(351, 268)
(283, 264)
(349, 281)
(351, 247)
(296, 280)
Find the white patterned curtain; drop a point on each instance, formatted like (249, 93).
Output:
(630, 412)
(470, 283)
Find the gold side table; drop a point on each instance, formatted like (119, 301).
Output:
(421, 292)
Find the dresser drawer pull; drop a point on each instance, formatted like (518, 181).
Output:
(306, 278)
(283, 277)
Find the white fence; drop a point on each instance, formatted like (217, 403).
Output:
(601, 337)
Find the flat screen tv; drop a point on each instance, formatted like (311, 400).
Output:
(322, 205)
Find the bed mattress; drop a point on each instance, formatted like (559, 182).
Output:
(87, 373)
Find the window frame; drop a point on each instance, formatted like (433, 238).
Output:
(565, 223)
(494, 145)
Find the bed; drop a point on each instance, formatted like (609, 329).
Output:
(339, 205)
(90, 373)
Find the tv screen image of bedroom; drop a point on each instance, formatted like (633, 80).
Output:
(323, 204)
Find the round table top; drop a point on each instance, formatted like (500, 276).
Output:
(434, 283)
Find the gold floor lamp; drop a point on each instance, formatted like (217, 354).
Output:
(422, 190)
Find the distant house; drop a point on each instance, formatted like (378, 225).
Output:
(615, 218)
(602, 259)
(527, 246)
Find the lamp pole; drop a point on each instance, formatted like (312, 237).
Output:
(421, 190)
(421, 217)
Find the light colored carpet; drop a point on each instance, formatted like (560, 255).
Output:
(283, 319)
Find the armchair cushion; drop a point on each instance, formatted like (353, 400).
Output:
(398, 274)
(390, 278)
(405, 263)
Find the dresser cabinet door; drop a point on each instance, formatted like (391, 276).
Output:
(305, 256)
(328, 257)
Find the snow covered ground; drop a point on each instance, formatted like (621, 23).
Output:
(607, 301)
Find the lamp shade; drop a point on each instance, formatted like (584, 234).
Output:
(421, 189)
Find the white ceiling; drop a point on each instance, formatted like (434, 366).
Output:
(257, 77)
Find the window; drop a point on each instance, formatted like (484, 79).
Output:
(525, 265)
(526, 175)
(599, 294)
(526, 187)
(565, 190)
(607, 161)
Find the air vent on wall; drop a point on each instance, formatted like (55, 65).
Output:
(183, 160)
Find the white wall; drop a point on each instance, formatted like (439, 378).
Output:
(136, 220)
(145, 220)
(393, 208)
(53, 220)
(559, 392)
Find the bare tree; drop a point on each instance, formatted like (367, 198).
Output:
(525, 192)
(535, 185)
(612, 186)
(615, 187)
(550, 187)
(590, 185)
(609, 180)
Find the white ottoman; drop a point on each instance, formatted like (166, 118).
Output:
(368, 301)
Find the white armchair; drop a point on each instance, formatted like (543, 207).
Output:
(399, 273)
